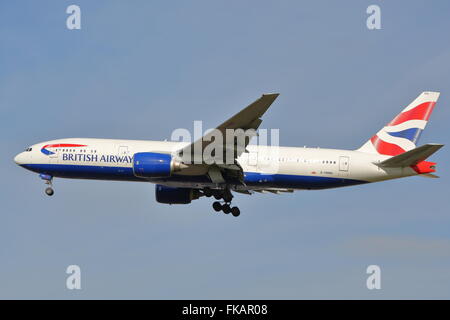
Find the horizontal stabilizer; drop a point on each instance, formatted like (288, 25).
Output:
(411, 157)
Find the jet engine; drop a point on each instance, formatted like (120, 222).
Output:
(170, 195)
(155, 165)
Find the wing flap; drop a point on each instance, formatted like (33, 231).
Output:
(274, 190)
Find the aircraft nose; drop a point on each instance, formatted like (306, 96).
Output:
(19, 159)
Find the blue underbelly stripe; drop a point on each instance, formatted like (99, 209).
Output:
(84, 172)
(297, 181)
(250, 178)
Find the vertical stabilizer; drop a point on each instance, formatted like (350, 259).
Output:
(403, 132)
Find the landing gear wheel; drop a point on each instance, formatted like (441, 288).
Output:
(217, 206)
(226, 208)
(207, 192)
(49, 191)
(217, 196)
(235, 211)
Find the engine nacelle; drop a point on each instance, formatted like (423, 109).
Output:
(155, 165)
(170, 195)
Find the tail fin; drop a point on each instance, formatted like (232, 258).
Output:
(403, 132)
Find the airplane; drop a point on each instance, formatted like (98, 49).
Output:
(389, 154)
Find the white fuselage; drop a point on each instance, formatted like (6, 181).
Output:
(264, 167)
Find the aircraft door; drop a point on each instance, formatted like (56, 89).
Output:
(122, 152)
(344, 164)
(54, 156)
(252, 160)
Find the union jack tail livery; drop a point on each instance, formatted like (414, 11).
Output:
(403, 132)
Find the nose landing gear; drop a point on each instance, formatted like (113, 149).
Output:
(49, 191)
(48, 181)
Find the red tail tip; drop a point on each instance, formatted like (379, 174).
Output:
(425, 167)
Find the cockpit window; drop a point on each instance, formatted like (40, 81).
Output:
(28, 149)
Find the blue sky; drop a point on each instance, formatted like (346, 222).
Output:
(139, 71)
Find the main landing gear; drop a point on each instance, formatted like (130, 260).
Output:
(48, 181)
(224, 206)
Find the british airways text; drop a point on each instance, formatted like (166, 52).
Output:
(96, 158)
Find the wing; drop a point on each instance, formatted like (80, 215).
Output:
(243, 124)
(220, 148)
